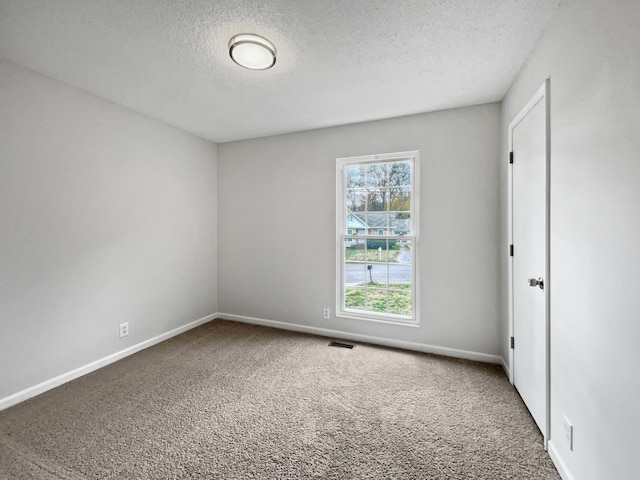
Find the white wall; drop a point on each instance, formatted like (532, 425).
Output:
(277, 225)
(590, 52)
(105, 217)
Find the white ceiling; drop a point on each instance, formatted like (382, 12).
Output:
(339, 61)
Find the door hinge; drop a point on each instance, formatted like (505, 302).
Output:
(511, 250)
(512, 342)
(510, 157)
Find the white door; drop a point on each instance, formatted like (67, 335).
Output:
(529, 238)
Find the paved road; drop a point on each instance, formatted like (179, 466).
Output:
(357, 273)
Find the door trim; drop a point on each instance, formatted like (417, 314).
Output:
(541, 95)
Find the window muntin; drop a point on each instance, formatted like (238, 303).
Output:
(377, 234)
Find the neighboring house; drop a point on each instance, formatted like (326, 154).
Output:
(375, 224)
(355, 226)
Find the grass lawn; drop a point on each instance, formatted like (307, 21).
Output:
(357, 255)
(376, 299)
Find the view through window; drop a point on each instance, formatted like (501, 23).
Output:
(377, 237)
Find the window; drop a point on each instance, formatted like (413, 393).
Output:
(377, 237)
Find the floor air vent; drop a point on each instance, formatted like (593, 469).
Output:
(340, 344)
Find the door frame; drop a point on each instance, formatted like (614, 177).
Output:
(541, 95)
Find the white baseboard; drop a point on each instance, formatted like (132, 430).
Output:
(42, 387)
(505, 367)
(559, 463)
(356, 337)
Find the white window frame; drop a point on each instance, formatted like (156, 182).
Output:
(342, 236)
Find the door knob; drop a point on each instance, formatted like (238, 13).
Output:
(536, 283)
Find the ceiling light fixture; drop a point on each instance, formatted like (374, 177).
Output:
(252, 51)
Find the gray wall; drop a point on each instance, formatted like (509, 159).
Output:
(277, 229)
(105, 217)
(590, 52)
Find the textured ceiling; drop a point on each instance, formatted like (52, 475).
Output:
(339, 61)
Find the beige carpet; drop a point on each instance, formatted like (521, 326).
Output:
(235, 401)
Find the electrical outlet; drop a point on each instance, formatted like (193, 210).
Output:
(326, 313)
(124, 329)
(567, 430)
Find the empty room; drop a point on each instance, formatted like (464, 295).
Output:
(299, 239)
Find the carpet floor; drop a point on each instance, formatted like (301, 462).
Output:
(234, 401)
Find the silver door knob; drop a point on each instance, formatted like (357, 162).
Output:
(536, 283)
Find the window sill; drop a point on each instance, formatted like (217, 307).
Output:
(402, 322)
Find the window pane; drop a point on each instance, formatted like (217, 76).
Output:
(355, 268)
(354, 298)
(399, 199)
(356, 223)
(400, 302)
(356, 200)
(400, 174)
(376, 221)
(400, 264)
(376, 300)
(377, 251)
(354, 252)
(377, 274)
(377, 200)
(355, 176)
(400, 223)
(378, 175)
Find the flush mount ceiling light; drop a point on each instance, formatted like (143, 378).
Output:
(252, 51)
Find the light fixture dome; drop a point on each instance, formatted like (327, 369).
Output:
(252, 51)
